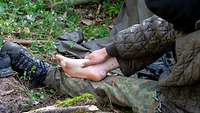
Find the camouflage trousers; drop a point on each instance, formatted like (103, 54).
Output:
(124, 91)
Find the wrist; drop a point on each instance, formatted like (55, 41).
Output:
(105, 53)
(111, 50)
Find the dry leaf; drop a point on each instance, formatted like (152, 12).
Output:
(26, 30)
(87, 22)
(110, 26)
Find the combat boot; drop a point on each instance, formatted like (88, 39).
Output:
(5, 67)
(24, 62)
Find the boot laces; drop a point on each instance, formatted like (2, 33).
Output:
(27, 63)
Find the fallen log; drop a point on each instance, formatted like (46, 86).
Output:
(54, 109)
(25, 42)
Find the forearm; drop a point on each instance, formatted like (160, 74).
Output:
(153, 36)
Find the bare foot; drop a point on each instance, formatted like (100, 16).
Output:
(70, 63)
(95, 72)
(75, 68)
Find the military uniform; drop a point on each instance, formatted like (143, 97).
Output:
(136, 46)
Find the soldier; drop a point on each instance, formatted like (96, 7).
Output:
(133, 49)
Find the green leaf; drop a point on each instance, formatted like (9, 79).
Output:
(2, 8)
(1, 40)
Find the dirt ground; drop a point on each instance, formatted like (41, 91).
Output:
(12, 96)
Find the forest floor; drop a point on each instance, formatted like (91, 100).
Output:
(39, 20)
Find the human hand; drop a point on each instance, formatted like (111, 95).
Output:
(96, 57)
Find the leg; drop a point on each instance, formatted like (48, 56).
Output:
(141, 43)
(152, 37)
(131, 92)
(186, 71)
(181, 88)
(128, 67)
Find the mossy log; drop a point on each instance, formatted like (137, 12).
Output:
(74, 109)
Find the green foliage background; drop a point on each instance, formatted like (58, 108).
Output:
(46, 20)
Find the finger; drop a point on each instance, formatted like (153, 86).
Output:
(88, 63)
(87, 56)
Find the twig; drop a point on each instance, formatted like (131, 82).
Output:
(98, 9)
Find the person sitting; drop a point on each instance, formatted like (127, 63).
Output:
(175, 27)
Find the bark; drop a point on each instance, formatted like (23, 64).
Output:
(54, 109)
(25, 42)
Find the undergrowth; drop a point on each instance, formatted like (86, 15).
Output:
(43, 20)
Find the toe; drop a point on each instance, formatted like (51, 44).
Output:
(59, 57)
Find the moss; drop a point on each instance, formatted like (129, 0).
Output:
(85, 98)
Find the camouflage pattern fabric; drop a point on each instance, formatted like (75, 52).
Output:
(186, 71)
(153, 36)
(142, 44)
(131, 92)
(181, 89)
